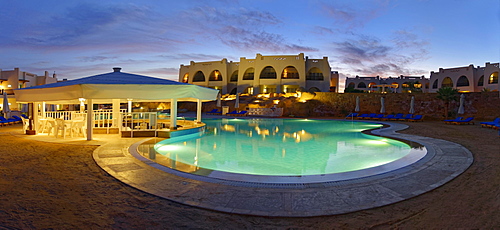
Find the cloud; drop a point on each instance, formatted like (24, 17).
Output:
(353, 15)
(367, 55)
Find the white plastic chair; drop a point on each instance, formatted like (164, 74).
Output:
(60, 126)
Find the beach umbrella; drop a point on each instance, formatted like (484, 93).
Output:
(412, 105)
(237, 102)
(357, 104)
(382, 105)
(5, 108)
(461, 109)
(219, 102)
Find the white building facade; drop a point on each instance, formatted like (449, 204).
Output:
(264, 74)
(467, 78)
(17, 79)
(399, 84)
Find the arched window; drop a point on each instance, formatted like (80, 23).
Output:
(249, 74)
(405, 85)
(447, 82)
(493, 78)
(215, 76)
(372, 84)
(185, 79)
(234, 76)
(435, 84)
(351, 85)
(290, 73)
(395, 85)
(315, 74)
(198, 77)
(313, 90)
(462, 81)
(362, 85)
(481, 81)
(268, 73)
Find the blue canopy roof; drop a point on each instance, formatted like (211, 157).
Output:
(116, 77)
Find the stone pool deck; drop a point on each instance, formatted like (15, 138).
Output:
(445, 160)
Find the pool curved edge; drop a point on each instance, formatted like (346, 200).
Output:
(445, 160)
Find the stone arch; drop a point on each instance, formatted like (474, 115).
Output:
(249, 74)
(268, 73)
(493, 79)
(362, 85)
(351, 85)
(481, 81)
(462, 81)
(313, 90)
(315, 74)
(447, 82)
(371, 84)
(290, 72)
(215, 76)
(395, 85)
(199, 77)
(185, 78)
(234, 76)
(435, 84)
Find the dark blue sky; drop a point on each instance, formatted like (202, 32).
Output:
(366, 38)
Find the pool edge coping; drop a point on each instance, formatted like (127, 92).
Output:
(374, 191)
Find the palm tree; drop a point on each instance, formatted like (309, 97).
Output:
(447, 95)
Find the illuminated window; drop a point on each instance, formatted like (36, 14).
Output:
(447, 82)
(372, 84)
(493, 78)
(405, 85)
(290, 73)
(395, 85)
(215, 76)
(199, 77)
(249, 74)
(268, 73)
(185, 79)
(315, 74)
(462, 81)
(234, 76)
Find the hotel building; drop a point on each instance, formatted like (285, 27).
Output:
(16, 79)
(264, 74)
(399, 84)
(467, 78)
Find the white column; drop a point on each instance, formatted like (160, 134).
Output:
(82, 104)
(116, 112)
(35, 117)
(43, 110)
(129, 105)
(90, 119)
(173, 114)
(198, 110)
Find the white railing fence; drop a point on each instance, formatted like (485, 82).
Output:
(265, 112)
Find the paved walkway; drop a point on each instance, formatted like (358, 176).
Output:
(445, 160)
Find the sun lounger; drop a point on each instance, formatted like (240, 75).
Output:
(491, 124)
(404, 118)
(453, 120)
(417, 117)
(237, 114)
(5, 121)
(363, 116)
(351, 115)
(467, 121)
(214, 112)
(378, 116)
(396, 117)
(388, 117)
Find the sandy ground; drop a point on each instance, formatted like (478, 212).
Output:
(58, 186)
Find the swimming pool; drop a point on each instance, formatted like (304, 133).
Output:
(284, 150)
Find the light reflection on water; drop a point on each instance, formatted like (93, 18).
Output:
(281, 147)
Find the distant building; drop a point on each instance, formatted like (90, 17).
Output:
(16, 79)
(467, 78)
(388, 85)
(264, 74)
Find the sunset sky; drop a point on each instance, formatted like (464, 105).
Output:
(367, 38)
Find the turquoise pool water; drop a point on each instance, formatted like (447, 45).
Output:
(281, 147)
